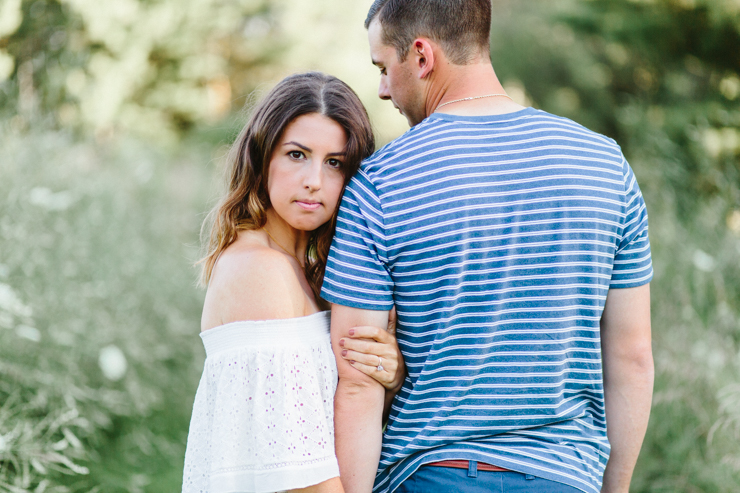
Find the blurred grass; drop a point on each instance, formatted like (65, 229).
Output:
(96, 251)
(694, 431)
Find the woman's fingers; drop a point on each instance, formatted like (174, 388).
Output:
(369, 353)
(367, 363)
(368, 332)
(368, 347)
(383, 377)
(365, 359)
(389, 364)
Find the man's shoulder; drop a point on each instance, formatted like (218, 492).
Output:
(566, 125)
(525, 130)
(433, 132)
(398, 151)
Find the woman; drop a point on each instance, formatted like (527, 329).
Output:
(263, 414)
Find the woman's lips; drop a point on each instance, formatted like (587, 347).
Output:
(309, 206)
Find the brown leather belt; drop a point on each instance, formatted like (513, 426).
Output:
(464, 464)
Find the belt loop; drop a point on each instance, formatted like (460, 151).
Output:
(472, 469)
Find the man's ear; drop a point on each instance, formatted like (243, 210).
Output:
(424, 57)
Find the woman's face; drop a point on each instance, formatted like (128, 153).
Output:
(305, 180)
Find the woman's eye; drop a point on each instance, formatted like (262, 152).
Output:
(334, 163)
(295, 154)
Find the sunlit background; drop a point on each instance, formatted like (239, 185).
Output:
(114, 119)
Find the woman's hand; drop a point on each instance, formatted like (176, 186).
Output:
(370, 348)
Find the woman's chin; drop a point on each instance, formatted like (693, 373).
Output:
(307, 221)
(307, 226)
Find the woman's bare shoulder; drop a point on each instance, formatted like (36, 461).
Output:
(251, 281)
(249, 258)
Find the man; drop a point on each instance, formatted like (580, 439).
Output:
(513, 244)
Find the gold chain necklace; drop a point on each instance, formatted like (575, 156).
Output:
(281, 246)
(471, 98)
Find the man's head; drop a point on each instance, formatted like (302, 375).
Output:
(407, 38)
(461, 27)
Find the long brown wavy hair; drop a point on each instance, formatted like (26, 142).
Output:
(246, 200)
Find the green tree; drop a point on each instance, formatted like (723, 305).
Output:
(153, 68)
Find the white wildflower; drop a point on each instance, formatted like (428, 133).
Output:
(9, 302)
(113, 362)
(703, 261)
(30, 333)
(43, 197)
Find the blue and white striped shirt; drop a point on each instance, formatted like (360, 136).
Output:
(497, 238)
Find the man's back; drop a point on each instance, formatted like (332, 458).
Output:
(497, 238)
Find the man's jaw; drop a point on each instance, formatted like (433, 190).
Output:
(409, 119)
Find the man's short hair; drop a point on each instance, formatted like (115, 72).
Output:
(461, 27)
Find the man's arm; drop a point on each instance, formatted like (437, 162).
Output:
(358, 405)
(627, 358)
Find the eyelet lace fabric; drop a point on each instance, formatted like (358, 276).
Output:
(263, 413)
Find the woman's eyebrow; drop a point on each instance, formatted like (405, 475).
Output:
(298, 145)
(308, 149)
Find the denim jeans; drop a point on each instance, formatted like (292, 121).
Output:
(434, 479)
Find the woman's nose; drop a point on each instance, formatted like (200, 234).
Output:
(312, 178)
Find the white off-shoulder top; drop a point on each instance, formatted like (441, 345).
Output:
(263, 413)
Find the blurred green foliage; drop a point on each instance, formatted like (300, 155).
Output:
(152, 68)
(99, 213)
(99, 353)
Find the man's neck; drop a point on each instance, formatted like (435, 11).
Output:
(456, 82)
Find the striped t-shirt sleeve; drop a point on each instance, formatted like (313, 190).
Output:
(356, 271)
(632, 262)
